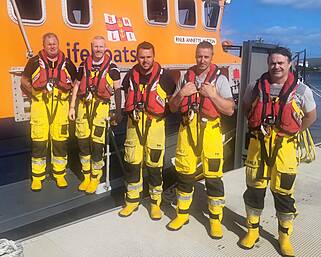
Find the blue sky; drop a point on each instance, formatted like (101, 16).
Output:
(292, 23)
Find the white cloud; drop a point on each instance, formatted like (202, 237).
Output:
(296, 3)
(278, 30)
(228, 33)
(296, 38)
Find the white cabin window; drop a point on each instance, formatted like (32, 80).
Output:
(186, 11)
(31, 11)
(211, 12)
(156, 11)
(77, 13)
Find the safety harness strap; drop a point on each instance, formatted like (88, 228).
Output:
(265, 157)
(51, 114)
(142, 135)
(91, 112)
(213, 77)
(197, 147)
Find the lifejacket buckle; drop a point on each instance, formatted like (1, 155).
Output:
(139, 106)
(190, 115)
(269, 120)
(92, 89)
(135, 115)
(204, 120)
(89, 96)
(265, 130)
(50, 85)
(195, 107)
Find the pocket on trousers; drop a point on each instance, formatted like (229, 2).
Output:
(214, 165)
(213, 142)
(98, 132)
(155, 154)
(64, 129)
(82, 130)
(253, 158)
(284, 182)
(129, 155)
(60, 132)
(182, 163)
(37, 132)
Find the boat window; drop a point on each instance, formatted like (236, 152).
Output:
(31, 11)
(77, 13)
(186, 10)
(211, 12)
(157, 11)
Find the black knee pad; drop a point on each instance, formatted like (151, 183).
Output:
(154, 176)
(185, 183)
(60, 148)
(214, 187)
(254, 197)
(97, 151)
(131, 172)
(39, 149)
(155, 155)
(284, 203)
(84, 146)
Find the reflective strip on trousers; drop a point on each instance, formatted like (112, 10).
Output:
(252, 211)
(184, 197)
(216, 202)
(156, 191)
(285, 216)
(131, 187)
(59, 161)
(84, 160)
(98, 165)
(38, 162)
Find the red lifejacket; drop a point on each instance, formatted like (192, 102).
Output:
(98, 83)
(148, 98)
(206, 106)
(57, 76)
(287, 120)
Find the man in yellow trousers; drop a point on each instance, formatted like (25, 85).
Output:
(49, 78)
(98, 80)
(278, 107)
(147, 88)
(201, 97)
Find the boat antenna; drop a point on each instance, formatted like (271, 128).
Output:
(22, 29)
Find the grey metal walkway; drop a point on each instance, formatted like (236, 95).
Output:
(109, 235)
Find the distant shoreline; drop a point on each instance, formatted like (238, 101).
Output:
(312, 71)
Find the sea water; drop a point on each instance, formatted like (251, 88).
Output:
(314, 79)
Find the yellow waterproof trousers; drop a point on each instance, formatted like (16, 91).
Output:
(145, 142)
(281, 171)
(200, 140)
(90, 132)
(49, 121)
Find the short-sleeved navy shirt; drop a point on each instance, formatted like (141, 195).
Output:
(33, 65)
(113, 70)
(166, 82)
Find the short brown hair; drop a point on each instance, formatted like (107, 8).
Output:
(282, 51)
(48, 35)
(145, 45)
(204, 44)
(97, 38)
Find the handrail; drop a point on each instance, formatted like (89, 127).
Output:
(22, 29)
(315, 90)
